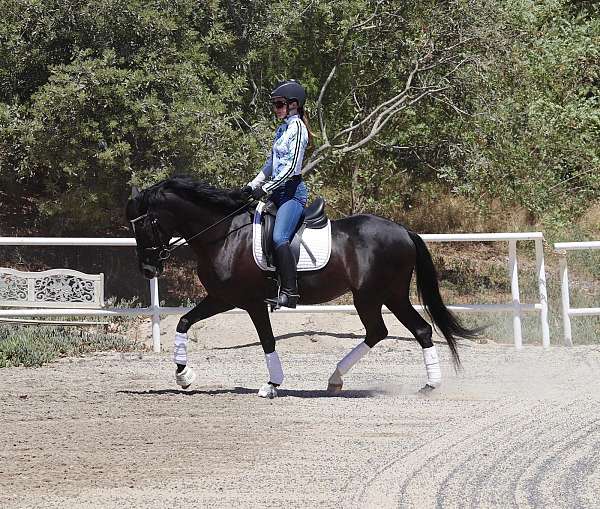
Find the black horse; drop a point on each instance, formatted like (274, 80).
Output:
(371, 257)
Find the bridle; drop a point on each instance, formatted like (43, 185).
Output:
(159, 246)
(165, 249)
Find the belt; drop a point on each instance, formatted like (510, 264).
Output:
(294, 179)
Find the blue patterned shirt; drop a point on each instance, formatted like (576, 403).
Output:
(287, 154)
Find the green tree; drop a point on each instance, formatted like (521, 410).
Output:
(409, 100)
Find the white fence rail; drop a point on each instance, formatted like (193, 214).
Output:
(567, 311)
(516, 307)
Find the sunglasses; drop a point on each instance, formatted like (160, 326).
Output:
(278, 104)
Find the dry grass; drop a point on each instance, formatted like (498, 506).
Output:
(454, 214)
(590, 221)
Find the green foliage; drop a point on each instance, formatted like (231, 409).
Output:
(95, 97)
(34, 346)
(136, 93)
(535, 111)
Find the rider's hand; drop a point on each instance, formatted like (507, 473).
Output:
(258, 193)
(246, 192)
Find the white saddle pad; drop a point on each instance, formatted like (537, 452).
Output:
(315, 248)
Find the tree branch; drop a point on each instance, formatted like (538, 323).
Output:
(338, 59)
(430, 57)
(385, 117)
(393, 100)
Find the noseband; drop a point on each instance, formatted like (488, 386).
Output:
(164, 251)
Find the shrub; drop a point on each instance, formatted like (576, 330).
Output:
(34, 346)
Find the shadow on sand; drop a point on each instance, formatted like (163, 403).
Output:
(282, 393)
(344, 335)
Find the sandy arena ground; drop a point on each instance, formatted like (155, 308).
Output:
(513, 429)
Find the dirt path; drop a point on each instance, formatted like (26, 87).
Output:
(514, 429)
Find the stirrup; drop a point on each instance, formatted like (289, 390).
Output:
(283, 300)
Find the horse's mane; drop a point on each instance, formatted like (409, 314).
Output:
(197, 192)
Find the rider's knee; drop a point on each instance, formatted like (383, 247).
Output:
(279, 239)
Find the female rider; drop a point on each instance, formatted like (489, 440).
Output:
(281, 177)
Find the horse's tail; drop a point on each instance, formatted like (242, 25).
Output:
(429, 293)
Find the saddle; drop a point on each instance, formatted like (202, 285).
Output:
(311, 242)
(313, 217)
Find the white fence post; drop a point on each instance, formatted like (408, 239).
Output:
(561, 248)
(541, 277)
(514, 290)
(155, 306)
(564, 292)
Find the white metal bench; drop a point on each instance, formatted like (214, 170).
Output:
(56, 288)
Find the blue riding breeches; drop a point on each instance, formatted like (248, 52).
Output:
(290, 200)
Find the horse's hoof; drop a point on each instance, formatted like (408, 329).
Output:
(185, 378)
(335, 383)
(334, 389)
(267, 391)
(426, 390)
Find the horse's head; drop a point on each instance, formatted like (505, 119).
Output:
(152, 229)
(169, 206)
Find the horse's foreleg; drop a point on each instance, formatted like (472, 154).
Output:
(370, 315)
(262, 323)
(209, 306)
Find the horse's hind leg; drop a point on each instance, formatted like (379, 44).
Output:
(404, 311)
(369, 311)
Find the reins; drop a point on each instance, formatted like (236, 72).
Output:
(166, 251)
(175, 244)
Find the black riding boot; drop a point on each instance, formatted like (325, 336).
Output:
(286, 265)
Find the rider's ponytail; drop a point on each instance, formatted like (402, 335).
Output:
(304, 118)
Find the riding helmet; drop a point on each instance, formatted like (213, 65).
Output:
(290, 90)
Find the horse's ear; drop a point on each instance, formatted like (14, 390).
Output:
(134, 192)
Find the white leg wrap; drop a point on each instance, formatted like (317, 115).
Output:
(274, 367)
(356, 354)
(180, 348)
(335, 379)
(432, 366)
